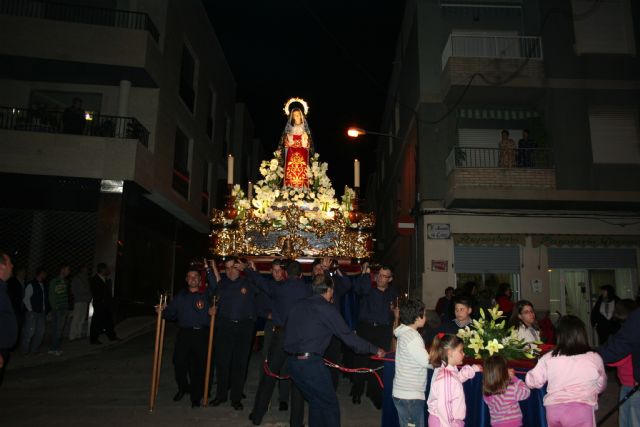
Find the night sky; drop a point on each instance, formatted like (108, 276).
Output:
(337, 55)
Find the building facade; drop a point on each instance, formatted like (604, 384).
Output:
(557, 214)
(129, 176)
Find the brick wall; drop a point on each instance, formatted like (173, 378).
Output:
(503, 178)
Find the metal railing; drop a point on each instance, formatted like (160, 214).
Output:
(481, 46)
(495, 158)
(80, 14)
(39, 120)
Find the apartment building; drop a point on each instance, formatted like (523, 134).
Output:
(557, 214)
(130, 174)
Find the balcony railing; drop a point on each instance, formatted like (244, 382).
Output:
(494, 158)
(483, 46)
(80, 14)
(38, 120)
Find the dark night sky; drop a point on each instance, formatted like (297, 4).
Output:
(337, 55)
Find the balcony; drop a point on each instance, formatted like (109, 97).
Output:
(490, 173)
(99, 125)
(80, 14)
(47, 41)
(507, 60)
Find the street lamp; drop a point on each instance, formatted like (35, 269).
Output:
(354, 132)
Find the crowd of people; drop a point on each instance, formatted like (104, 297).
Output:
(57, 306)
(305, 327)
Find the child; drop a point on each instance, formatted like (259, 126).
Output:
(446, 403)
(412, 361)
(629, 414)
(502, 391)
(462, 309)
(575, 376)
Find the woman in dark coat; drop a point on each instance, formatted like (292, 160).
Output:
(602, 313)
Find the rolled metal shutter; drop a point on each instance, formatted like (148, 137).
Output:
(592, 258)
(478, 259)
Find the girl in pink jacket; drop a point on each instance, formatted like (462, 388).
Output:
(446, 403)
(574, 375)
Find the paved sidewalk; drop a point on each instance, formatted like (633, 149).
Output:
(125, 330)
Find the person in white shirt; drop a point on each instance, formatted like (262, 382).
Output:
(523, 319)
(412, 361)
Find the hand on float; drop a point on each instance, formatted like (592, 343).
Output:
(214, 268)
(381, 352)
(325, 263)
(479, 368)
(365, 268)
(252, 265)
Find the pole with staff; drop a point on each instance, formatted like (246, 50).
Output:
(156, 354)
(212, 323)
(161, 348)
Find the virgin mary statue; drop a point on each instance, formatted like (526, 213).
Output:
(296, 144)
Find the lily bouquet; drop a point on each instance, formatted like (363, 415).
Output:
(489, 335)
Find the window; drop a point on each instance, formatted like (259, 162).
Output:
(188, 78)
(604, 26)
(206, 186)
(614, 134)
(181, 154)
(211, 114)
(226, 142)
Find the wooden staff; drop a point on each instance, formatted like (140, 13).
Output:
(160, 349)
(207, 372)
(154, 375)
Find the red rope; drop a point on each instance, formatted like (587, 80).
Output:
(330, 364)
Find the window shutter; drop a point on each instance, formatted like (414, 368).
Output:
(614, 134)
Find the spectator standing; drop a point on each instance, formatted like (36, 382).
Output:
(15, 286)
(444, 306)
(81, 292)
(36, 303)
(503, 298)
(8, 324)
(59, 302)
(507, 150)
(526, 146)
(602, 313)
(73, 120)
(102, 294)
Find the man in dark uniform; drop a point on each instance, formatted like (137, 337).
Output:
(284, 296)
(191, 309)
(234, 330)
(264, 308)
(102, 295)
(375, 324)
(341, 285)
(8, 322)
(309, 328)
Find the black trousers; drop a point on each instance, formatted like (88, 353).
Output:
(233, 345)
(102, 321)
(277, 364)
(380, 336)
(334, 354)
(283, 386)
(190, 359)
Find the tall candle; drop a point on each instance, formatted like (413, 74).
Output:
(356, 173)
(230, 169)
(250, 191)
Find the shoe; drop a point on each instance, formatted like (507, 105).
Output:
(178, 396)
(96, 342)
(217, 402)
(195, 404)
(237, 406)
(284, 406)
(356, 400)
(253, 421)
(377, 404)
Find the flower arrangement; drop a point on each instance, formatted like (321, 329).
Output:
(318, 200)
(489, 336)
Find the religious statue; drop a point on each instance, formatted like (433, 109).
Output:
(296, 144)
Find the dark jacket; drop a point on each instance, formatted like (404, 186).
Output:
(8, 322)
(626, 341)
(100, 292)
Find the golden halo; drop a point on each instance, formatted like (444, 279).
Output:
(305, 106)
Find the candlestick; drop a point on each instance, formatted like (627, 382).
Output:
(230, 169)
(250, 191)
(356, 173)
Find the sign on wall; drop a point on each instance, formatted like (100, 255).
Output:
(439, 265)
(438, 231)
